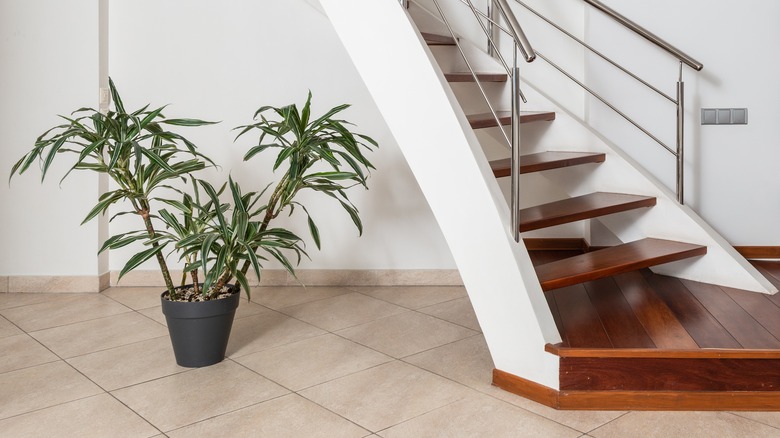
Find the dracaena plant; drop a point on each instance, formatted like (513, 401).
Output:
(320, 154)
(137, 151)
(216, 238)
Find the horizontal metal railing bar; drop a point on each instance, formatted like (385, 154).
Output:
(596, 52)
(473, 73)
(490, 20)
(646, 34)
(606, 102)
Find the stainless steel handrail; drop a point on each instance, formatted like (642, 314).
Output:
(646, 34)
(678, 152)
(596, 52)
(605, 102)
(518, 35)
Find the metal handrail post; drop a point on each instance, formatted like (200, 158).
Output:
(515, 189)
(680, 138)
(404, 3)
(492, 12)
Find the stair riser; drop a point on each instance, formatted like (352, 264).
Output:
(669, 374)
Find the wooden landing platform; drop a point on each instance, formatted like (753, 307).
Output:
(639, 340)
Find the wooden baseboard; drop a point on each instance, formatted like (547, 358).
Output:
(638, 400)
(759, 252)
(526, 388)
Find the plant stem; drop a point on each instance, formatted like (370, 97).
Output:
(270, 214)
(195, 285)
(160, 257)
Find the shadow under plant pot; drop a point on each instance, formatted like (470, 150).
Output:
(200, 330)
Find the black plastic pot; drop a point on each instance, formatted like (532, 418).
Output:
(200, 330)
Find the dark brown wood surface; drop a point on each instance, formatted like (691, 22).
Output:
(658, 320)
(640, 340)
(483, 77)
(580, 319)
(486, 120)
(742, 327)
(580, 208)
(614, 260)
(617, 317)
(545, 161)
(759, 252)
(700, 324)
(760, 306)
(663, 374)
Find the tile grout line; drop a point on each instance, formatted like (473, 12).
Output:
(129, 310)
(737, 414)
(136, 413)
(291, 392)
(347, 291)
(493, 396)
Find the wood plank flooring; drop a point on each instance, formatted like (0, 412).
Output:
(643, 310)
(637, 337)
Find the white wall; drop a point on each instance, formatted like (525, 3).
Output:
(222, 61)
(49, 66)
(730, 170)
(218, 61)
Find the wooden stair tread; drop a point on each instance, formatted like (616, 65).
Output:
(483, 77)
(437, 40)
(545, 161)
(486, 120)
(579, 208)
(614, 260)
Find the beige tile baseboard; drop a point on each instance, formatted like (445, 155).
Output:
(56, 283)
(3, 284)
(318, 277)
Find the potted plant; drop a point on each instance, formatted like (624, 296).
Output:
(219, 240)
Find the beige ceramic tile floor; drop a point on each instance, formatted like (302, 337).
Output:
(316, 362)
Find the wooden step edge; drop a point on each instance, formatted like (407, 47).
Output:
(571, 271)
(433, 39)
(545, 161)
(482, 77)
(638, 400)
(702, 353)
(580, 208)
(486, 120)
(556, 244)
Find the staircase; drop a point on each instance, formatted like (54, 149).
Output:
(514, 292)
(618, 259)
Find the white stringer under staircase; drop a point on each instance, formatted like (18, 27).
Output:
(402, 68)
